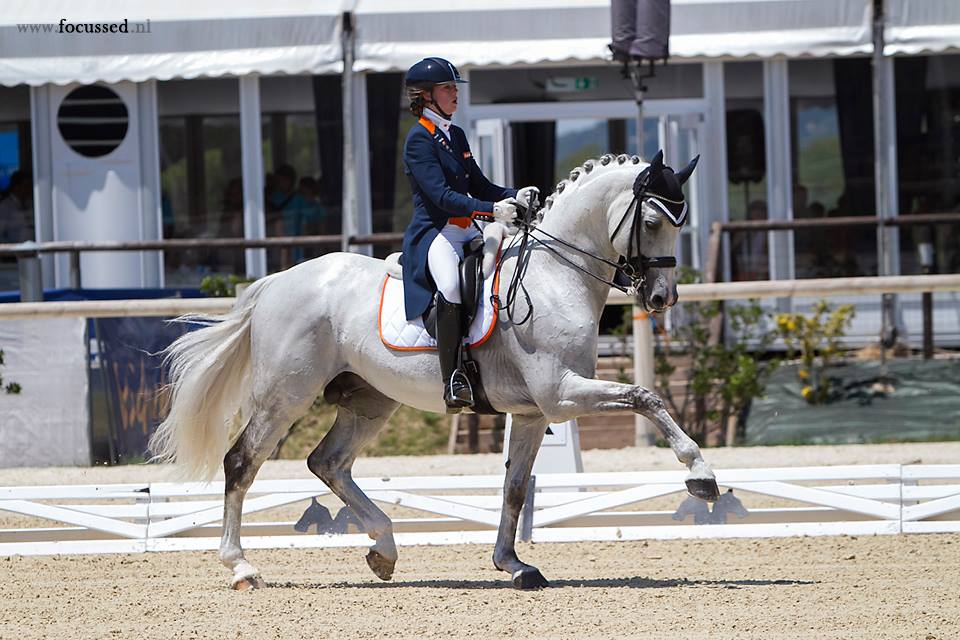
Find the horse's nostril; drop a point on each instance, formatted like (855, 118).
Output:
(657, 300)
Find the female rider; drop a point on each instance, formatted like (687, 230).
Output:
(449, 191)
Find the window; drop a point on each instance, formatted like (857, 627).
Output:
(16, 179)
(928, 156)
(831, 122)
(293, 197)
(746, 169)
(200, 175)
(388, 122)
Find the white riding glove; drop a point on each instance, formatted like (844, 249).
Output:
(529, 195)
(505, 212)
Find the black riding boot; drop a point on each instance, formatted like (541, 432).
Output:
(456, 387)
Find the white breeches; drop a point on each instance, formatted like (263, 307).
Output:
(443, 259)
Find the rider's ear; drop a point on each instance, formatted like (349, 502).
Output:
(684, 174)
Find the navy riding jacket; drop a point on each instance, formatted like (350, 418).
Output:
(447, 186)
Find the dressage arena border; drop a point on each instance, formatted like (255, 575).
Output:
(841, 500)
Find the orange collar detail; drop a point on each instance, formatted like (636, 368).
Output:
(428, 124)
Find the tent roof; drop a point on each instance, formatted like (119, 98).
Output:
(393, 35)
(189, 38)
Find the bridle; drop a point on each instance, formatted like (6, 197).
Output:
(630, 271)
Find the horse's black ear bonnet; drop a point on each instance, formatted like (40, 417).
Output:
(661, 187)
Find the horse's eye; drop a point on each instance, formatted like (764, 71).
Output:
(651, 224)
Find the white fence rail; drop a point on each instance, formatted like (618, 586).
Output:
(168, 307)
(852, 500)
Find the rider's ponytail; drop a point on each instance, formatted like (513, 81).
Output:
(417, 101)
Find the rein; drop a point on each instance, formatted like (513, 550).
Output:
(630, 269)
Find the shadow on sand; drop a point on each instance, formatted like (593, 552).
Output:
(636, 582)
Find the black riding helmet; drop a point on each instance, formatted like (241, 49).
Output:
(432, 71)
(424, 76)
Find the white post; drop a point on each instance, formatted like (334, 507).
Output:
(776, 124)
(643, 372)
(349, 202)
(251, 149)
(151, 262)
(40, 132)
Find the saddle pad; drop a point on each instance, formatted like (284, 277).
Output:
(398, 333)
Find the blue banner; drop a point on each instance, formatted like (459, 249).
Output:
(130, 360)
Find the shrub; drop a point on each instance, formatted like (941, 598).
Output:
(220, 287)
(817, 340)
(724, 377)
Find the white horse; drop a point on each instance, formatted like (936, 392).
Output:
(239, 383)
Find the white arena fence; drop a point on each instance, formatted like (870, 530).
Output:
(797, 501)
(822, 287)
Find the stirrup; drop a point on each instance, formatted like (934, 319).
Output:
(457, 393)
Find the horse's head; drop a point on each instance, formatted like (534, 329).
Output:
(644, 226)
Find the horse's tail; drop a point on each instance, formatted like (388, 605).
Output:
(210, 379)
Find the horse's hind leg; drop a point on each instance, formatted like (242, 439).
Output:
(255, 444)
(361, 412)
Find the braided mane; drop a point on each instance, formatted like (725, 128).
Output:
(586, 171)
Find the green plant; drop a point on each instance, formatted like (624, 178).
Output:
(724, 376)
(817, 340)
(12, 387)
(221, 287)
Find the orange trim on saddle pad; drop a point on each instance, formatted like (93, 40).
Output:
(480, 342)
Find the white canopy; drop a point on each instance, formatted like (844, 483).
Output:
(918, 27)
(191, 38)
(393, 35)
(186, 39)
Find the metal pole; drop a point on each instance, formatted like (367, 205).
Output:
(349, 202)
(31, 278)
(888, 332)
(925, 251)
(639, 90)
(75, 279)
(643, 373)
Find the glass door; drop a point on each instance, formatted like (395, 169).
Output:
(491, 146)
(520, 144)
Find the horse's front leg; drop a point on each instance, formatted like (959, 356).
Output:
(526, 434)
(582, 396)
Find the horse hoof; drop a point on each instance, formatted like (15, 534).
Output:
(703, 488)
(529, 578)
(250, 582)
(380, 564)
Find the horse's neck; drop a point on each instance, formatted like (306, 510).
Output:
(580, 220)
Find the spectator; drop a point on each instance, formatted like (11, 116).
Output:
(290, 208)
(16, 209)
(230, 225)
